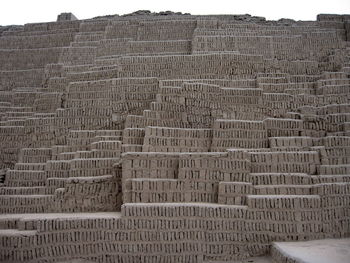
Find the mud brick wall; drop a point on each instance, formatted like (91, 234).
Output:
(147, 165)
(102, 193)
(158, 139)
(20, 78)
(183, 138)
(334, 214)
(195, 66)
(295, 162)
(239, 134)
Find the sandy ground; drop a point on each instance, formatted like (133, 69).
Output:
(249, 260)
(265, 259)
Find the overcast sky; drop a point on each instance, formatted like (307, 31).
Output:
(31, 11)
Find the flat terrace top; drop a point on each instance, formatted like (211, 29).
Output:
(317, 251)
(60, 216)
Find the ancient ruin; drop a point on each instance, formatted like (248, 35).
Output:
(167, 137)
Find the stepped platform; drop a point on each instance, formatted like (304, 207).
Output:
(174, 138)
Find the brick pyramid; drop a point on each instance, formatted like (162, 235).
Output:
(172, 138)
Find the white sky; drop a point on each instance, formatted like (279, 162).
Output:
(31, 11)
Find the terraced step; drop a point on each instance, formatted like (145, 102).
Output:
(284, 202)
(96, 154)
(58, 168)
(106, 146)
(280, 178)
(131, 148)
(92, 163)
(8, 222)
(283, 189)
(19, 114)
(30, 166)
(183, 210)
(14, 239)
(285, 162)
(34, 155)
(85, 44)
(17, 122)
(66, 156)
(37, 190)
(25, 178)
(342, 169)
(333, 89)
(15, 109)
(106, 138)
(334, 178)
(8, 233)
(12, 204)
